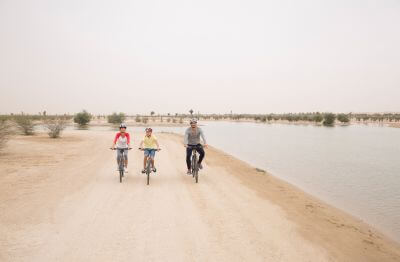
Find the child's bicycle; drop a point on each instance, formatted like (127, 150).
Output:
(148, 168)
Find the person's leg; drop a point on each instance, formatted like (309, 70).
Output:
(152, 155)
(119, 156)
(144, 162)
(126, 157)
(201, 153)
(188, 156)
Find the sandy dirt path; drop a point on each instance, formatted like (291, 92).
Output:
(61, 200)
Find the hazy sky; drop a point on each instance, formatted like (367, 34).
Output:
(250, 56)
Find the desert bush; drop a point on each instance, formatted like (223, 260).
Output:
(25, 124)
(329, 119)
(145, 120)
(168, 119)
(116, 118)
(343, 118)
(138, 119)
(55, 127)
(317, 118)
(181, 120)
(5, 132)
(82, 118)
(173, 120)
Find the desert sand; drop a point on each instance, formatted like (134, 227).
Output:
(61, 200)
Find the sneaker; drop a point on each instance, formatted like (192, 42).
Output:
(200, 166)
(189, 172)
(143, 171)
(126, 170)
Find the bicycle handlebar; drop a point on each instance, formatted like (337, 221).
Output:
(142, 149)
(129, 148)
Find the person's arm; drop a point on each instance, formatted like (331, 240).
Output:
(141, 144)
(203, 137)
(115, 140)
(128, 139)
(186, 138)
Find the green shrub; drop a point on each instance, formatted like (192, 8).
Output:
(82, 118)
(5, 132)
(317, 118)
(329, 119)
(25, 124)
(55, 127)
(116, 118)
(343, 118)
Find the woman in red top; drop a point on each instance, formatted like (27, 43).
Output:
(122, 141)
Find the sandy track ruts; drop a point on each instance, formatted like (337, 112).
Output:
(65, 203)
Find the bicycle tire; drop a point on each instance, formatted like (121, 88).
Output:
(148, 171)
(121, 168)
(194, 164)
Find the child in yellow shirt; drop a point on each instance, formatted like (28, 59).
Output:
(149, 145)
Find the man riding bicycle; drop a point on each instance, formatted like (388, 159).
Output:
(192, 141)
(149, 145)
(122, 141)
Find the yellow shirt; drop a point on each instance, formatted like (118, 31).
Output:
(150, 142)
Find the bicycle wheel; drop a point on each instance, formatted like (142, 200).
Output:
(148, 170)
(194, 164)
(120, 168)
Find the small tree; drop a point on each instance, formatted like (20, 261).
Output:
(145, 120)
(83, 118)
(137, 119)
(181, 120)
(191, 112)
(329, 119)
(152, 113)
(55, 127)
(25, 124)
(173, 120)
(317, 118)
(116, 118)
(343, 118)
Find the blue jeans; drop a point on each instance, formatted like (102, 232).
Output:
(150, 152)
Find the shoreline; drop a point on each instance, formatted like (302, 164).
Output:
(333, 234)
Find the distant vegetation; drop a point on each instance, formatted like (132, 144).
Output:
(343, 118)
(116, 118)
(55, 126)
(5, 131)
(329, 119)
(82, 118)
(25, 124)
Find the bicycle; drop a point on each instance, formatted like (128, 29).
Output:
(194, 163)
(148, 168)
(120, 160)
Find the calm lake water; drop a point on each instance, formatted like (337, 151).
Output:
(355, 168)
